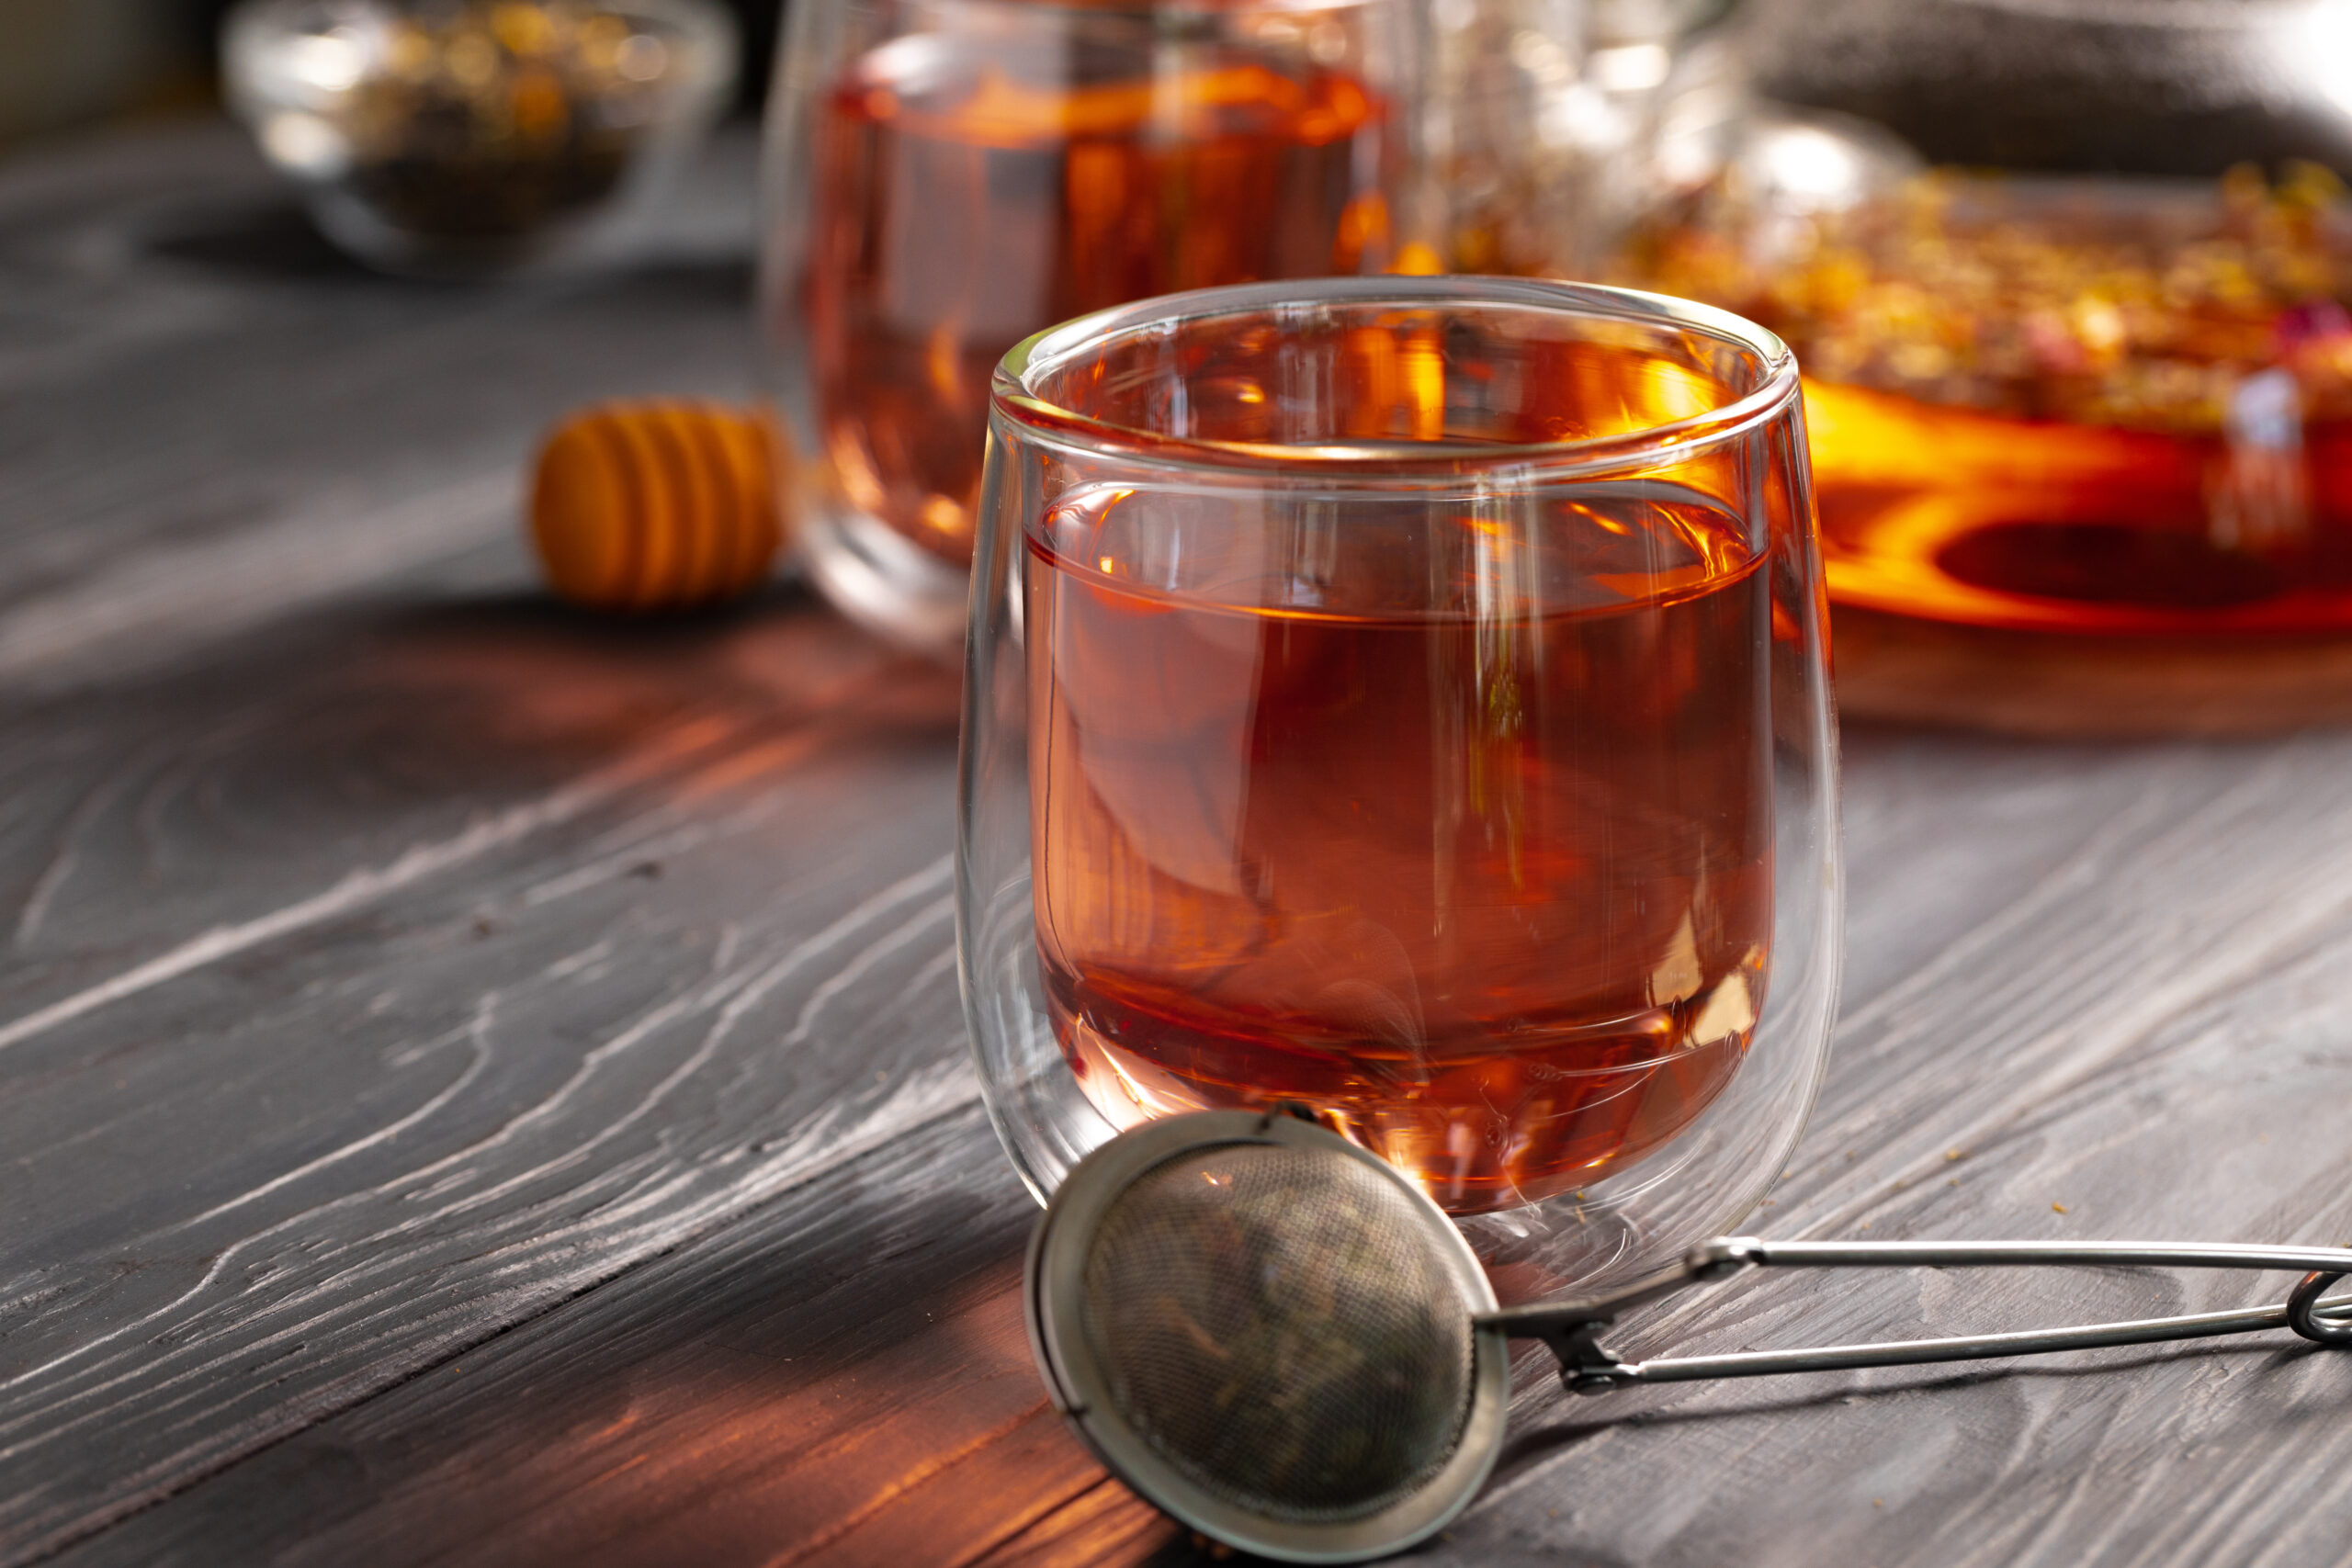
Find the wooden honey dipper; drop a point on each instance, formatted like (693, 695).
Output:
(649, 506)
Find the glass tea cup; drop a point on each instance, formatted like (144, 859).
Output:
(1405, 699)
(947, 177)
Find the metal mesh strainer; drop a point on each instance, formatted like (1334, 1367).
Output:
(1280, 1340)
(1271, 1334)
(1279, 1328)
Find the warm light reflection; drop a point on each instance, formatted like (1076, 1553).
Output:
(2065, 404)
(2318, 50)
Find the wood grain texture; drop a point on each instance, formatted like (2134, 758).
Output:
(390, 956)
(289, 1137)
(2162, 1121)
(843, 1378)
(478, 1085)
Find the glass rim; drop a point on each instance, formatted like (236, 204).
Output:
(1013, 398)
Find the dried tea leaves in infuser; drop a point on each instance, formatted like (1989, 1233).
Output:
(1271, 1334)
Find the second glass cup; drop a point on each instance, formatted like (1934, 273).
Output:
(1405, 699)
(947, 177)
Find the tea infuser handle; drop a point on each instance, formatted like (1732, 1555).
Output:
(1573, 1328)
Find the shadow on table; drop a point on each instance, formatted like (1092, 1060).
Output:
(1530, 1451)
(274, 242)
(475, 703)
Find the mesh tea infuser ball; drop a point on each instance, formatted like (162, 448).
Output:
(1276, 1337)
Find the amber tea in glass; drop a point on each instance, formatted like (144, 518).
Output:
(1387, 762)
(981, 170)
(1477, 869)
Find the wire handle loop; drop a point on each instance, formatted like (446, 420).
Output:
(2306, 1317)
(1572, 1329)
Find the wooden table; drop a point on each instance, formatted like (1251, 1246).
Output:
(484, 1085)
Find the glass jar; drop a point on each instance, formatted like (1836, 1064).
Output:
(2069, 281)
(1405, 698)
(946, 178)
(463, 137)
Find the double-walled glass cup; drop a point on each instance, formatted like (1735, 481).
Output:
(1405, 699)
(947, 177)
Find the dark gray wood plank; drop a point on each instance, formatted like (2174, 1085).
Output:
(452, 1052)
(2151, 1031)
(843, 1378)
(431, 984)
(2111, 984)
(390, 956)
(207, 416)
